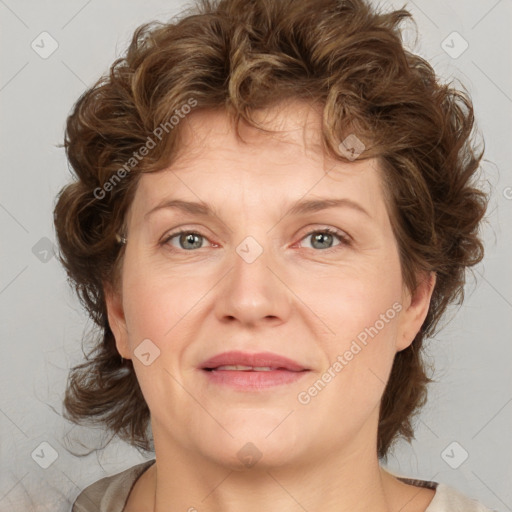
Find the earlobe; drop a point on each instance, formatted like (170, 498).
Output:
(117, 320)
(416, 310)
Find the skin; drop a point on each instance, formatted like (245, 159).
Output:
(295, 299)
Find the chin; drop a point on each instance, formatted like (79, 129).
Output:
(257, 445)
(252, 455)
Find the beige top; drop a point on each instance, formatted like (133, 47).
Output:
(111, 493)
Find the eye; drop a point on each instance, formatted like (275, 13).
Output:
(322, 238)
(187, 240)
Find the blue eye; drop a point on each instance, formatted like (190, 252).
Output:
(191, 240)
(325, 237)
(186, 238)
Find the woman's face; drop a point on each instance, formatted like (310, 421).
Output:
(262, 275)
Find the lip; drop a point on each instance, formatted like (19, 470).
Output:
(259, 359)
(284, 370)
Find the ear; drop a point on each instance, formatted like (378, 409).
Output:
(415, 309)
(116, 320)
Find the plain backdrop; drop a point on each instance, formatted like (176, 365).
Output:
(463, 434)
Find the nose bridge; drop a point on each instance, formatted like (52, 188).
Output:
(252, 292)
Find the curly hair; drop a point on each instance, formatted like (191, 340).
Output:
(241, 56)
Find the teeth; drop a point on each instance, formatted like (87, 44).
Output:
(245, 368)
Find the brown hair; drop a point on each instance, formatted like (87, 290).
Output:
(240, 56)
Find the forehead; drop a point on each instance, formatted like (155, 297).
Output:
(214, 165)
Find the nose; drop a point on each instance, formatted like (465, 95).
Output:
(254, 290)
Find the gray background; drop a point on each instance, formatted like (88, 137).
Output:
(42, 323)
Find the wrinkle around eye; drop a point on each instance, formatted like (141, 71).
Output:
(344, 240)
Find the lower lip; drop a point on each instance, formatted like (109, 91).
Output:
(251, 380)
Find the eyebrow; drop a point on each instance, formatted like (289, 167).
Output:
(300, 207)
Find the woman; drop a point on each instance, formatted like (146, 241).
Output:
(274, 206)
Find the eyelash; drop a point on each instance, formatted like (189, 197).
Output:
(344, 239)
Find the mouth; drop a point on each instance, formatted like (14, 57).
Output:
(252, 372)
(245, 361)
(240, 367)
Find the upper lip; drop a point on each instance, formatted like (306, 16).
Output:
(258, 359)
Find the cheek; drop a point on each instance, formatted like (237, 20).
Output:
(153, 306)
(360, 312)
(351, 384)
(363, 346)
(353, 299)
(156, 311)
(147, 312)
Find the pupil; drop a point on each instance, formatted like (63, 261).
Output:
(189, 238)
(321, 237)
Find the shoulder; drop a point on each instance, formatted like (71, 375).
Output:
(446, 498)
(110, 493)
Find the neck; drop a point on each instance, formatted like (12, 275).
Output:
(335, 483)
